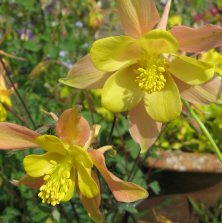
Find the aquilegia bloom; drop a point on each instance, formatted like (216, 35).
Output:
(5, 100)
(144, 72)
(68, 163)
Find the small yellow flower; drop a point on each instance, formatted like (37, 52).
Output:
(4, 99)
(96, 16)
(175, 20)
(215, 58)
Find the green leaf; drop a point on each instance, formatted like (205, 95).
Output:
(32, 46)
(155, 187)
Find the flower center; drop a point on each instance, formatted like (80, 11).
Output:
(57, 183)
(151, 76)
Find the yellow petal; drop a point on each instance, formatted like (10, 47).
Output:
(190, 70)
(38, 165)
(165, 105)
(159, 42)
(121, 92)
(123, 191)
(138, 16)
(86, 183)
(3, 113)
(52, 144)
(84, 75)
(14, 136)
(111, 53)
(82, 156)
(72, 127)
(143, 129)
(92, 204)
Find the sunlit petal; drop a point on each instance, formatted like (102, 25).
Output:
(84, 75)
(121, 92)
(111, 53)
(158, 42)
(202, 94)
(87, 185)
(92, 204)
(165, 105)
(190, 70)
(123, 191)
(200, 39)
(138, 16)
(82, 156)
(73, 127)
(52, 144)
(143, 129)
(38, 165)
(14, 136)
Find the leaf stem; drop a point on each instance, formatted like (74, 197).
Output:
(203, 128)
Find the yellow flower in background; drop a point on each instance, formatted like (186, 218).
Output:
(4, 99)
(215, 58)
(96, 15)
(68, 163)
(175, 20)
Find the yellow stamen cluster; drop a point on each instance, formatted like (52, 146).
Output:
(57, 183)
(151, 77)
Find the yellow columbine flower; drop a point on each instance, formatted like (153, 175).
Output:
(96, 15)
(215, 58)
(68, 163)
(144, 72)
(60, 166)
(4, 99)
(175, 20)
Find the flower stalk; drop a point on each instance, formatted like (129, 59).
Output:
(203, 128)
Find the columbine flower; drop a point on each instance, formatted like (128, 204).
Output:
(142, 72)
(96, 15)
(4, 98)
(215, 58)
(67, 164)
(175, 20)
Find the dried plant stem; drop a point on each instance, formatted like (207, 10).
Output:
(203, 128)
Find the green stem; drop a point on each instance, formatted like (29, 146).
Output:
(112, 129)
(203, 128)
